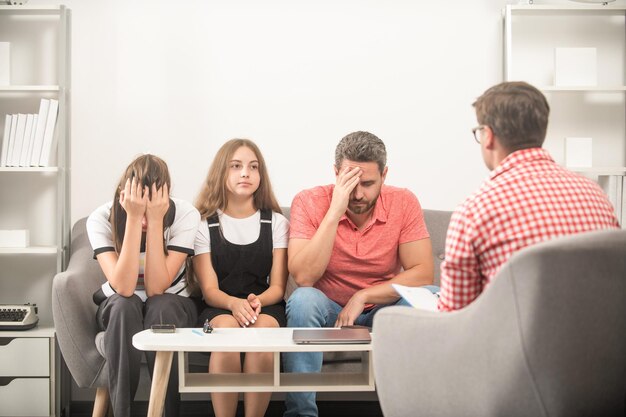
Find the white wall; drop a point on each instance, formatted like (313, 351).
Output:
(178, 78)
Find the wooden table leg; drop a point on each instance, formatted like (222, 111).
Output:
(101, 403)
(160, 376)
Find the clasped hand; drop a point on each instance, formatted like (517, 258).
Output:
(246, 311)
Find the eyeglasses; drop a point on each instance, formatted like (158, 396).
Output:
(476, 134)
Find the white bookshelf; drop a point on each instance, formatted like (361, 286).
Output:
(35, 199)
(29, 88)
(601, 170)
(38, 10)
(532, 32)
(29, 169)
(532, 9)
(30, 250)
(607, 89)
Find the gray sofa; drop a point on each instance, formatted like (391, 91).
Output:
(74, 312)
(547, 338)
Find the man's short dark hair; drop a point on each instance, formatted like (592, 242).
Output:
(516, 112)
(361, 147)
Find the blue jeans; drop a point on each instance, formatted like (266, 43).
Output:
(309, 307)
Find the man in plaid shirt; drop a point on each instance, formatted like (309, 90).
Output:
(527, 198)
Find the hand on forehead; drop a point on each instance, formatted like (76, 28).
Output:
(368, 168)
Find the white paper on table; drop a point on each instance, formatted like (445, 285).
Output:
(418, 297)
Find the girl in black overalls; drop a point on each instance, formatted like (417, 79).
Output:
(241, 261)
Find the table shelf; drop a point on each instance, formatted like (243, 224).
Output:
(300, 382)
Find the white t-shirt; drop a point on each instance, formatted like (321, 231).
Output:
(243, 231)
(179, 237)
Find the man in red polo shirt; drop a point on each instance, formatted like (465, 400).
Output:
(527, 199)
(348, 243)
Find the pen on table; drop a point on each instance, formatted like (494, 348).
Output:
(198, 332)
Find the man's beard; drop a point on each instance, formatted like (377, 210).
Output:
(361, 208)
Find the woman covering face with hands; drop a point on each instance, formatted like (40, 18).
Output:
(141, 240)
(241, 261)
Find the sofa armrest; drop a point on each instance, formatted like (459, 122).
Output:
(74, 311)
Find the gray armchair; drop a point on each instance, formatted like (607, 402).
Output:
(74, 317)
(547, 338)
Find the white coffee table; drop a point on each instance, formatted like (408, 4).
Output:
(274, 340)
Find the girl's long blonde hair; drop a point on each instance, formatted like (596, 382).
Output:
(214, 196)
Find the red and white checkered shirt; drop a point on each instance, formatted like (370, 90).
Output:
(527, 199)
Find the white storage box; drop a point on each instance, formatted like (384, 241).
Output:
(5, 63)
(578, 152)
(14, 238)
(575, 67)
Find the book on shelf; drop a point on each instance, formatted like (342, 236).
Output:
(18, 140)
(5, 63)
(30, 139)
(623, 209)
(614, 185)
(14, 238)
(616, 195)
(27, 139)
(11, 143)
(5, 140)
(49, 137)
(31, 142)
(44, 105)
